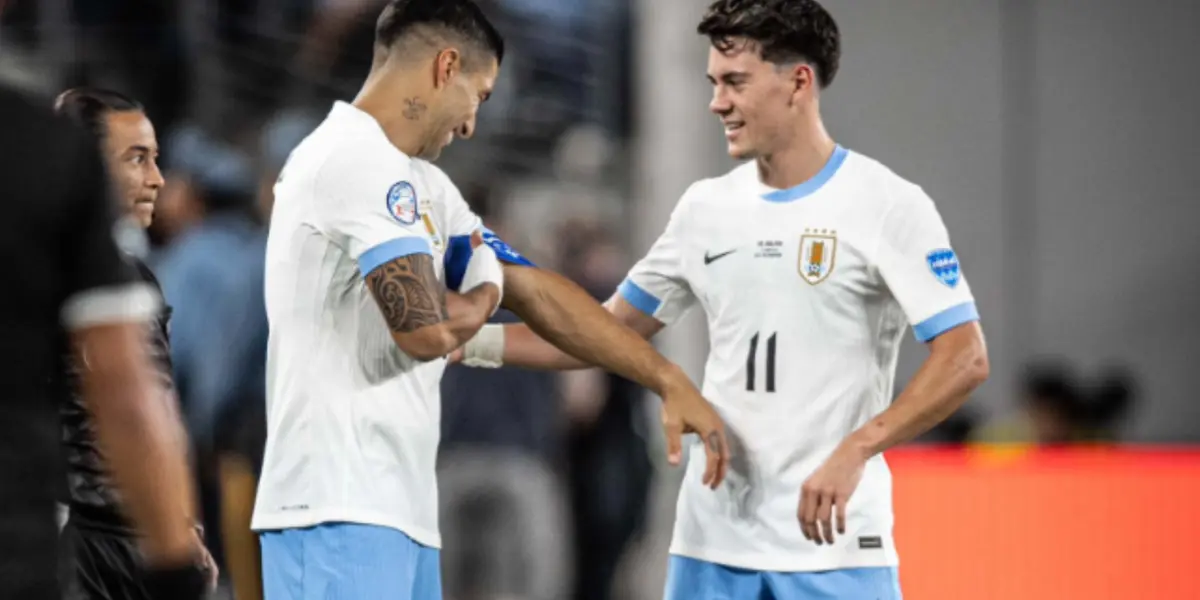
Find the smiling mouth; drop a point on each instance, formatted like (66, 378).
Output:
(734, 126)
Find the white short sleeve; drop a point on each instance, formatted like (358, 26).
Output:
(462, 220)
(368, 204)
(657, 284)
(920, 267)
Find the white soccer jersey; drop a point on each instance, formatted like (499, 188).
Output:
(807, 292)
(352, 422)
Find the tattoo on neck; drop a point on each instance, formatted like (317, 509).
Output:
(413, 108)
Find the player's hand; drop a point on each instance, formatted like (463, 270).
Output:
(684, 410)
(207, 565)
(455, 356)
(825, 494)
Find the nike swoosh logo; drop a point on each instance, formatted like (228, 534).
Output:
(710, 258)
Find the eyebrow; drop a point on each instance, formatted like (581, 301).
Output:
(727, 76)
(141, 148)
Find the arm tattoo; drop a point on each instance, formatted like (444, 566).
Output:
(413, 108)
(408, 292)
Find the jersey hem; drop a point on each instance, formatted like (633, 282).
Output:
(430, 538)
(886, 557)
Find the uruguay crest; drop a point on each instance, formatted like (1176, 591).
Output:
(818, 248)
(944, 265)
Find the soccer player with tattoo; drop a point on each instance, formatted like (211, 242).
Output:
(101, 559)
(809, 261)
(376, 269)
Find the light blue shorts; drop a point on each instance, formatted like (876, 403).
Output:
(691, 579)
(348, 561)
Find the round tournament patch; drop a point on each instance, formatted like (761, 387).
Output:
(402, 203)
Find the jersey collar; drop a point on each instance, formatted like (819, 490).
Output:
(812, 185)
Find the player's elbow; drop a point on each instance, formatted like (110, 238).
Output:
(975, 367)
(427, 343)
(963, 355)
(978, 370)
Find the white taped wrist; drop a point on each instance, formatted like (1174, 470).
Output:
(486, 349)
(483, 267)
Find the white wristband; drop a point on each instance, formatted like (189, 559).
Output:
(486, 349)
(483, 267)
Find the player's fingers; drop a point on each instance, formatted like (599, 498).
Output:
(713, 445)
(807, 512)
(841, 514)
(674, 434)
(726, 455)
(825, 518)
(476, 239)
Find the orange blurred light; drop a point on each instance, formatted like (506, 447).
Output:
(1016, 523)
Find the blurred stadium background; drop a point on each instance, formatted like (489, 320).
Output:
(1057, 136)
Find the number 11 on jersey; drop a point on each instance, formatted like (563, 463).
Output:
(752, 363)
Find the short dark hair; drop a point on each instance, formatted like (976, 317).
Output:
(86, 107)
(785, 31)
(460, 18)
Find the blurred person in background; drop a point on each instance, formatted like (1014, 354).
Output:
(76, 291)
(211, 269)
(100, 555)
(241, 419)
(503, 508)
(1049, 409)
(1056, 407)
(608, 463)
(1111, 399)
(810, 262)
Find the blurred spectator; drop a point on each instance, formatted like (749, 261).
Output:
(504, 521)
(1108, 405)
(1056, 408)
(1052, 405)
(212, 274)
(610, 472)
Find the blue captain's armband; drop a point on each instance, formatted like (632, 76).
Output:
(458, 252)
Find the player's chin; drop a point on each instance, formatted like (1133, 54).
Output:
(144, 212)
(740, 151)
(431, 153)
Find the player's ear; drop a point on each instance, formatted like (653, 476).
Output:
(448, 65)
(803, 78)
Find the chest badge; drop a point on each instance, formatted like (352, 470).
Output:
(818, 249)
(435, 238)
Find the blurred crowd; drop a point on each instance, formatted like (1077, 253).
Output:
(558, 462)
(1055, 406)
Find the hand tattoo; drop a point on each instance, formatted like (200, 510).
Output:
(409, 293)
(714, 441)
(413, 108)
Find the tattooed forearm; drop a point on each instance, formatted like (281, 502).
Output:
(409, 293)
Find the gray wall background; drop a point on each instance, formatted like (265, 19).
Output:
(1058, 138)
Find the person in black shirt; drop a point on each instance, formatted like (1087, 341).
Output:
(68, 286)
(100, 556)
